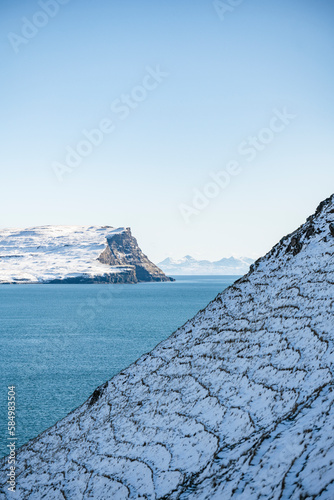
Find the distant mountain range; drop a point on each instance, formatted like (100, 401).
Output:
(189, 265)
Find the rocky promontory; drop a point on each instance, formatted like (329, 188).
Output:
(123, 250)
(74, 254)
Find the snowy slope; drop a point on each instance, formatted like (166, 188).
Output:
(66, 253)
(189, 265)
(236, 404)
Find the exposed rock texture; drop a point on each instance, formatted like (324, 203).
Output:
(236, 404)
(72, 254)
(123, 275)
(123, 250)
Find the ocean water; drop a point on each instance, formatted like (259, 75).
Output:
(59, 342)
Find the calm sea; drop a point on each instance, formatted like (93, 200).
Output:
(59, 342)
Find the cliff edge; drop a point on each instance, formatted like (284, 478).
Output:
(236, 404)
(123, 250)
(73, 254)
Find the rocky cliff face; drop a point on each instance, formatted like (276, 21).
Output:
(123, 250)
(73, 254)
(236, 404)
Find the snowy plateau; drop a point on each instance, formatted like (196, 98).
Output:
(236, 404)
(73, 254)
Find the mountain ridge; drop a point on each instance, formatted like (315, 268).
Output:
(188, 265)
(238, 403)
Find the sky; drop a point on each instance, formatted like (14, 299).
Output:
(206, 127)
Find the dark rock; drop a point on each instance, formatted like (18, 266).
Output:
(322, 205)
(295, 245)
(310, 232)
(123, 250)
(331, 228)
(97, 394)
(128, 275)
(95, 397)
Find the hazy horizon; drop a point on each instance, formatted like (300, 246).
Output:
(206, 129)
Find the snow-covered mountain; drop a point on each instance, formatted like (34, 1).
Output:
(74, 254)
(236, 404)
(189, 265)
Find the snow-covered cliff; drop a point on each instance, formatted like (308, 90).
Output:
(236, 404)
(73, 254)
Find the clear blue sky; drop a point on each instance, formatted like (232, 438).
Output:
(225, 78)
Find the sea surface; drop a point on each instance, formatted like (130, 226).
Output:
(59, 342)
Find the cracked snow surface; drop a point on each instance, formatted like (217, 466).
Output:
(238, 403)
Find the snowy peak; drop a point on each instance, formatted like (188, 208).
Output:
(307, 239)
(237, 404)
(188, 258)
(68, 254)
(189, 265)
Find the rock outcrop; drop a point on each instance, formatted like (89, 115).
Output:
(123, 250)
(236, 404)
(73, 254)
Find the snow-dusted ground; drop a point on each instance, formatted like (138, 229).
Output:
(236, 404)
(190, 266)
(45, 253)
